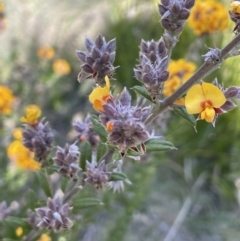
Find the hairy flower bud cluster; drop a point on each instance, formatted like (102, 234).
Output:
(85, 131)
(38, 139)
(124, 123)
(98, 59)
(174, 14)
(212, 56)
(97, 174)
(55, 216)
(4, 210)
(152, 69)
(229, 93)
(67, 159)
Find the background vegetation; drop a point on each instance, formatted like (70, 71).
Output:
(199, 181)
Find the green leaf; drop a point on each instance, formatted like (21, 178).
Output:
(142, 91)
(86, 203)
(116, 156)
(53, 168)
(44, 182)
(32, 198)
(183, 113)
(9, 239)
(99, 129)
(16, 221)
(101, 150)
(158, 145)
(64, 183)
(86, 154)
(117, 176)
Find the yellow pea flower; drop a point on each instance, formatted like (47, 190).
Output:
(44, 237)
(61, 67)
(208, 16)
(19, 231)
(100, 95)
(235, 7)
(6, 100)
(21, 156)
(32, 113)
(46, 52)
(204, 99)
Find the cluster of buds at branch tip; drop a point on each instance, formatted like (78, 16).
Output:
(98, 59)
(85, 132)
(152, 67)
(37, 136)
(55, 216)
(124, 122)
(67, 159)
(4, 210)
(38, 139)
(96, 174)
(174, 14)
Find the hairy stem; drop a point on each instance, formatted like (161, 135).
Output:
(203, 71)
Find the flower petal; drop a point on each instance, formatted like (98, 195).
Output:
(194, 98)
(98, 93)
(107, 82)
(208, 114)
(213, 93)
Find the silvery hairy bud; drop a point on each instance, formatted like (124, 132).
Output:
(38, 139)
(152, 67)
(67, 159)
(55, 216)
(98, 59)
(85, 131)
(124, 122)
(4, 210)
(212, 56)
(174, 14)
(96, 174)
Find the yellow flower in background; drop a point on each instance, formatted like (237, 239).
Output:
(61, 67)
(32, 113)
(46, 53)
(20, 155)
(99, 95)
(17, 133)
(6, 100)
(204, 99)
(3, 20)
(19, 231)
(45, 237)
(235, 7)
(179, 72)
(208, 16)
(1, 7)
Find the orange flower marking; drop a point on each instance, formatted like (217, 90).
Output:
(32, 112)
(83, 138)
(100, 95)
(109, 126)
(204, 99)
